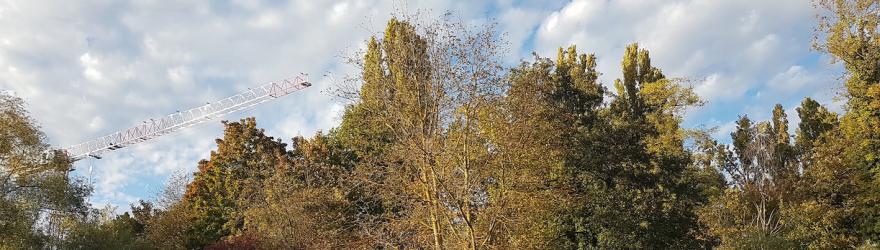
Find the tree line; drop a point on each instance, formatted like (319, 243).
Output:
(445, 147)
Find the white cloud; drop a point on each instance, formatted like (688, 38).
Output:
(89, 64)
(89, 68)
(92, 67)
(519, 23)
(686, 38)
(749, 54)
(339, 11)
(96, 123)
(180, 75)
(723, 131)
(801, 79)
(267, 20)
(719, 86)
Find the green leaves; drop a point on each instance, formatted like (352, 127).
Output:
(231, 180)
(803, 195)
(30, 188)
(848, 31)
(446, 148)
(619, 169)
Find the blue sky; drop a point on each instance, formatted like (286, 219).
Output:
(92, 67)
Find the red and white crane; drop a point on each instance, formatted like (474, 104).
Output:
(164, 125)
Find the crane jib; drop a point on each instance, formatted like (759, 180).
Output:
(181, 119)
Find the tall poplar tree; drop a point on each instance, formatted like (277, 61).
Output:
(815, 121)
(416, 129)
(644, 186)
(553, 126)
(619, 171)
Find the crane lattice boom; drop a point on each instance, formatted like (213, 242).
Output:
(157, 127)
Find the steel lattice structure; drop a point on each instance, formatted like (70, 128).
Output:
(157, 127)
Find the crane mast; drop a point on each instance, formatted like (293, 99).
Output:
(164, 125)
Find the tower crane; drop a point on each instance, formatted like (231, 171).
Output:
(156, 127)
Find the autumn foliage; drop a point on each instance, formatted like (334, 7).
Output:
(442, 146)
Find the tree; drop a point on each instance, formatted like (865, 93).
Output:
(361, 128)
(532, 131)
(644, 186)
(741, 137)
(103, 229)
(747, 214)
(754, 210)
(309, 205)
(32, 188)
(788, 196)
(848, 31)
(555, 116)
(232, 179)
(827, 215)
(398, 111)
(784, 166)
(440, 174)
(174, 227)
(815, 121)
(168, 223)
(601, 164)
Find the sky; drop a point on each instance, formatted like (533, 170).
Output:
(92, 67)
